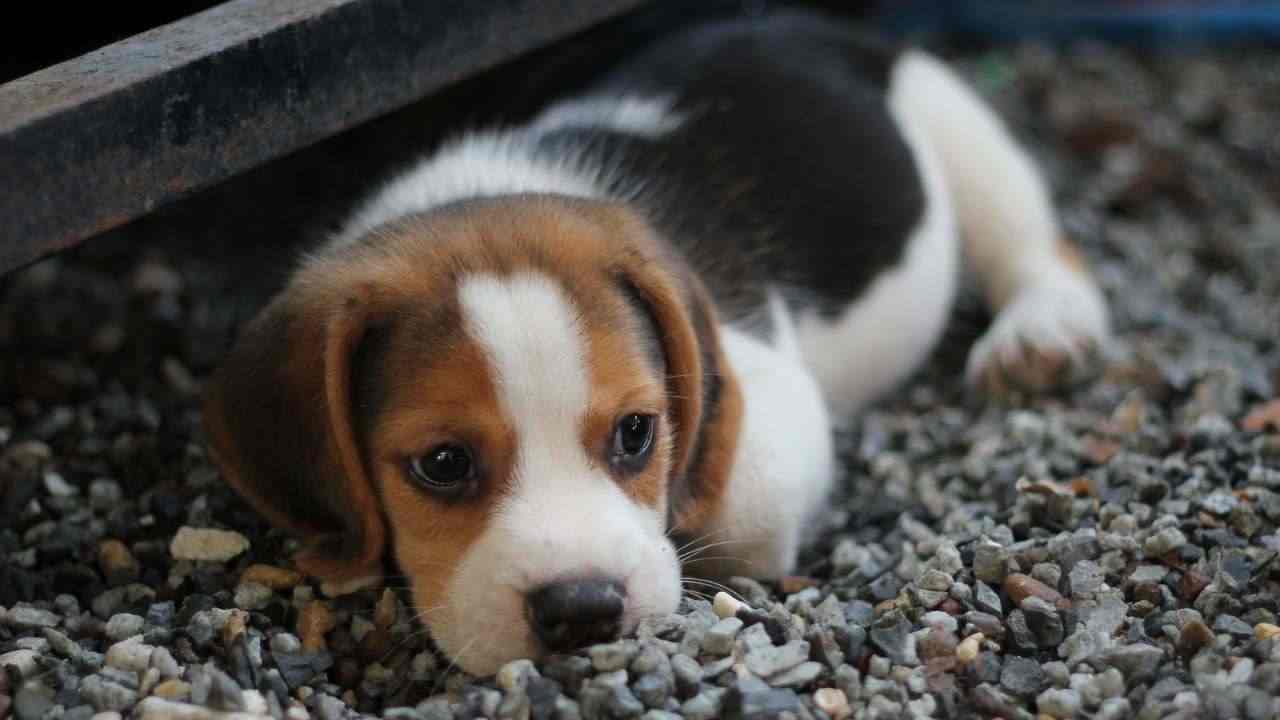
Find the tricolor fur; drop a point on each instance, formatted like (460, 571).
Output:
(747, 232)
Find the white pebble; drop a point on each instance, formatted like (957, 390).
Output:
(833, 702)
(132, 655)
(207, 544)
(725, 605)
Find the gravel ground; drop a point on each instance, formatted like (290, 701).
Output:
(1107, 553)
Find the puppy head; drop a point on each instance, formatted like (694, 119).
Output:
(504, 394)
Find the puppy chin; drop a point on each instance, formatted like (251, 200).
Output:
(482, 621)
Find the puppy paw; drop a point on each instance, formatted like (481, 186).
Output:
(1049, 336)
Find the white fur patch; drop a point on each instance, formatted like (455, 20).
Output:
(883, 336)
(495, 163)
(630, 114)
(782, 470)
(564, 516)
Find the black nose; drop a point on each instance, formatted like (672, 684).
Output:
(573, 613)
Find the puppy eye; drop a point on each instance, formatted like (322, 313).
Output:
(444, 468)
(632, 440)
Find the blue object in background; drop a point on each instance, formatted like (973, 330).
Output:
(1142, 21)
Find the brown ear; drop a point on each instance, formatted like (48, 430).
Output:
(668, 303)
(705, 401)
(278, 417)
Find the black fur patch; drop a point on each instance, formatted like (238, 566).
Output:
(788, 170)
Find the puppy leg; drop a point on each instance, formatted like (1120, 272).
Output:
(1049, 314)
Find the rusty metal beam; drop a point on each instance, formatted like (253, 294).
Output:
(94, 142)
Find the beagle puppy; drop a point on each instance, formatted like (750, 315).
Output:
(530, 363)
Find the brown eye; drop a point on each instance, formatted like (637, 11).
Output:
(443, 469)
(632, 441)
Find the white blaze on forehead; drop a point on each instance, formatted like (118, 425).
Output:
(536, 348)
(564, 516)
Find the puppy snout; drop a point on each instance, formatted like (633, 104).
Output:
(570, 614)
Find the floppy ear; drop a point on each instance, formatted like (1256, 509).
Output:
(278, 417)
(703, 393)
(666, 301)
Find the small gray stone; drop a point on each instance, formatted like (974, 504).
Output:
(1059, 703)
(762, 704)
(329, 707)
(613, 656)
(1137, 662)
(798, 676)
(253, 596)
(23, 659)
(1232, 625)
(935, 580)
(29, 618)
(849, 681)
(1114, 709)
(1020, 638)
(718, 640)
(653, 690)
(1148, 574)
(515, 675)
(989, 560)
(1022, 676)
(1219, 503)
(107, 695)
(162, 660)
(32, 701)
(623, 704)
(1058, 673)
(285, 643)
(768, 661)
(1164, 541)
(613, 678)
(62, 645)
(1086, 578)
(435, 708)
(891, 634)
(1044, 621)
(124, 625)
(703, 706)
(986, 599)
(688, 673)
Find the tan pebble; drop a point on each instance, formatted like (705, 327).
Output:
(725, 605)
(1194, 635)
(1266, 631)
(967, 650)
(347, 587)
(314, 622)
(1263, 416)
(271, 576)
(118, 565)
(1020, 587)
(833, 702)
(207, 544)
(173, 690)
(237, 621)
(387, 611)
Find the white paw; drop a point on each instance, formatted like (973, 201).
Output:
(1051, 335)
